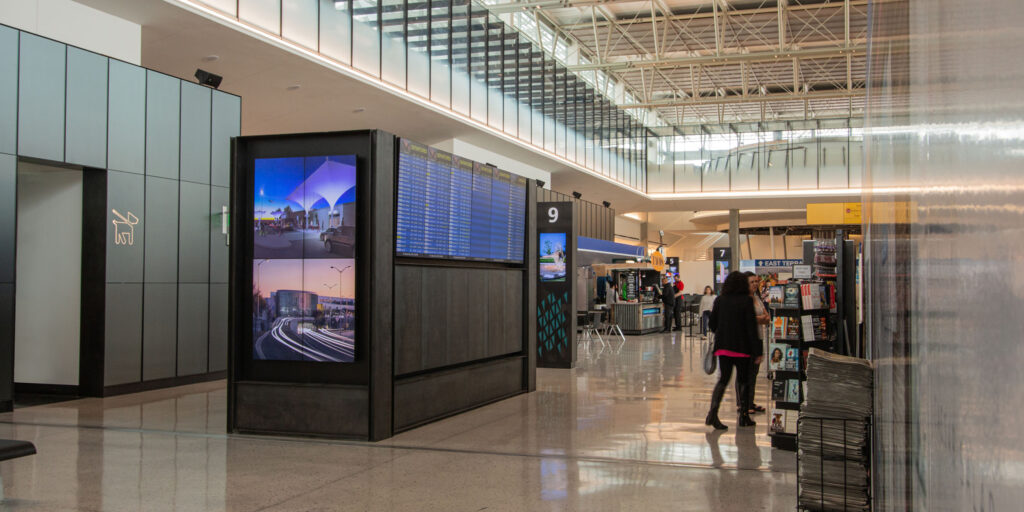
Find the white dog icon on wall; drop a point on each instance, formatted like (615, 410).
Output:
(124, 229)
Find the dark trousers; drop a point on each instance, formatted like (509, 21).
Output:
(751, 384)
(726, 365)
(668, 309)
(677, 313)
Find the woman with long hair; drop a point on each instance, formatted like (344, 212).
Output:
(707, 301)
(736, 344)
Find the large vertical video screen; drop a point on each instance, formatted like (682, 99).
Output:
(303, 266)
(552, 257)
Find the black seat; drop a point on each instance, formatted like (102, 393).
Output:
(13, 449)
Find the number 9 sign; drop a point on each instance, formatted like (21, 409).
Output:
(552, 215)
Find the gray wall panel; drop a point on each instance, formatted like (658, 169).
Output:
(513, 318)
(7, 340)
(159, 331)
(408, 319)
(86, 125)
(8, 89)
(123, 350)
(195, 133)
(41, 98)
(125, 193)
(476, 314)
(416, 398)
(302, 409)
(194, 233)
(218, 356)
(227, 121)
(495, 290)
(163, 116)
(8, 207)
(219, 196)
(434, 327)
(126, 124)
(161, 230)
(457, 302)
(193, 328)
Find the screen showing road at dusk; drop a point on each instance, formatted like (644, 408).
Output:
(304, 266)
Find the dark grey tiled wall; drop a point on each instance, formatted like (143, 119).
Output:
(166, 145)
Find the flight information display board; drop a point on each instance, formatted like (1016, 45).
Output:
(452, 207)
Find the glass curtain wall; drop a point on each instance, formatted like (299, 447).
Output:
(456, 54)
(788, 155)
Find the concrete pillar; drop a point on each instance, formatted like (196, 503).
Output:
(734, 240)
(643, 236)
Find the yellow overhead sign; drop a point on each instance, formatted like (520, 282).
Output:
(833, 213)
(658, 261)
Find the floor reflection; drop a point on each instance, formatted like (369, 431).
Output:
(624, 430)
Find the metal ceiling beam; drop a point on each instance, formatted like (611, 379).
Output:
(714, 60)
(767, 98)
(704, 14)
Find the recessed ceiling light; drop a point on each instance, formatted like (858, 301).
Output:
(294, 87)
(359, 110)
(211, 58)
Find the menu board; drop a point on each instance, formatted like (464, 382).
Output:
(452, 207)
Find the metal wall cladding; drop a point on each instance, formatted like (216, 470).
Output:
(86, 110)
(149, 130)
(944, 276)
(8, 90)
(41, 68)
(446, 316)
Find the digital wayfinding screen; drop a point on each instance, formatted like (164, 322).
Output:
(303, 259)
(452, 207)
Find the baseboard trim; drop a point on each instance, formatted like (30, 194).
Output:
(45, 389)
(170, 382)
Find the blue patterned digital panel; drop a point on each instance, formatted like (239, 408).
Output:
(552, 338)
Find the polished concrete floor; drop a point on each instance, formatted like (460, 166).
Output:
(624, 431)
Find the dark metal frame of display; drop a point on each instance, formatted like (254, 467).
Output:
(402, 375)
(557, 315)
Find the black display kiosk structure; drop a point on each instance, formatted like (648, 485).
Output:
(356, 349)
(556, 285)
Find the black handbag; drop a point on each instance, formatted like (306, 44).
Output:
(708, 355)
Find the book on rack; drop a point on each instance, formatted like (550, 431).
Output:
(775, 296)
(790, 424)
(777, 356)
(793, 329)
(792, 295)
(807, 322)
(820, 328)
(779, 327)
(779, 390)
(792, 362)
(778, 420)
(793, 391)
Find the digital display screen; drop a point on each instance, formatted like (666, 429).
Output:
(552, 257)
(721, 271)
(304, 264)
(452, 207)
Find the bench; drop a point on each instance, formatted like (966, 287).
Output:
(13, 449)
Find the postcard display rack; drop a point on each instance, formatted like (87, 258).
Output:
(802, 313)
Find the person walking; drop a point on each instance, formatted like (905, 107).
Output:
(668, 302)
(763, 319)
(736, 345)
(707, 301)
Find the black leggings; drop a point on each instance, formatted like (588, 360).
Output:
(751, 383)
(726, 365)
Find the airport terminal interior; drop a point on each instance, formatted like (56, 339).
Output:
(412, 255)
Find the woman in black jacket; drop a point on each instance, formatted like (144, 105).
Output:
(736, 344)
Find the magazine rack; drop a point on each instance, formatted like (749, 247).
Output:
(794, 344)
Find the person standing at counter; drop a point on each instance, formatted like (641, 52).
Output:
(677, 310)
(736, 345)
(668, 302)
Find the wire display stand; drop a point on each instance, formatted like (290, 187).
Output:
(833, 464)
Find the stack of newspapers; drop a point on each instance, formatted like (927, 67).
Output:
(833, 433)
